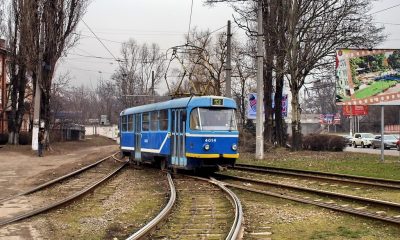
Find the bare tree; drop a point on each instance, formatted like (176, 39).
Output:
(3, 27)
(319, 92)
(244, 75)
(134, 75)
(57, 20)
(207, 67)
(315, 30)
(59, 93)
(202, 64)
(108, 101)
(20, 30)
(40, 32)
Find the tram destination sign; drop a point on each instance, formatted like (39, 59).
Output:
(368, 76)
(217, 102)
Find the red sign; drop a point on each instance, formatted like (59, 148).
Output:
(355, 110)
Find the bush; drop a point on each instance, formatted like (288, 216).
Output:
(323, 142)
(3, 138)
(247, 141)
(25, 138)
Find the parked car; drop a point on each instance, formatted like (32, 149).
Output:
(389, 141)
(362, 139)
(398, 145)
(348, 140)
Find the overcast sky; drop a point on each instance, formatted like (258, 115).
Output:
(164, 22)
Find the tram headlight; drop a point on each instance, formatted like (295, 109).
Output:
(206, 147)
(234, 147)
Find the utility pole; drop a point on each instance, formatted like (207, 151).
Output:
(260, 96)
(36, 110)
(38, 96)
(152, 83)
(228, 68)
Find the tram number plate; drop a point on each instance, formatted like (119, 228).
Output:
(217, 102)
(210, 140)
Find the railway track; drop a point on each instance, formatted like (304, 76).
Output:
(202, 212)
(371, 208)
(376, 182)
(160, 217)
(57, 192)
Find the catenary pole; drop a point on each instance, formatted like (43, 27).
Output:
(260, 97)
(152, 83)
(38, 96)
(228, 81)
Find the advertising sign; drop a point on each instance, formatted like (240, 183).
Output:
(329, 119)
(252, 105)
(354, 110)
(367, 76)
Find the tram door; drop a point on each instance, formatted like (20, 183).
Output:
(178, 137)
(138, 136)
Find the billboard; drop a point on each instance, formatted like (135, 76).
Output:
(367, 76)
(252, 105)
(355, 110)
(329, 119)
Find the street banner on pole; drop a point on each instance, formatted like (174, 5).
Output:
(252, 105)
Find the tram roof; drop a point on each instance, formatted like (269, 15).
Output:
(203, 101)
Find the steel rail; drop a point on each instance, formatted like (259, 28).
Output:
(234, 232)
(379, 182)
(320, 204)
(316, 191)
(62, 201)
(153, 223)
(46, 184)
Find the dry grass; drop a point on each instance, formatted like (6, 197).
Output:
(336, 162)
(59, 148)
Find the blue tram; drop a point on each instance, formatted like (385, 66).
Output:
(186, 133)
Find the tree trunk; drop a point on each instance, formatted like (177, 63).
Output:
(296, 124)
(279, 126)
(17, 105)
(268, 15)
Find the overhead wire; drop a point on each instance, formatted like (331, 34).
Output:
(108, 50)
(385, 9)
(104, 39)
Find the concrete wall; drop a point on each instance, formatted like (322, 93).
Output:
(106, 131)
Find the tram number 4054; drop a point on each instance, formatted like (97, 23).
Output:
(210, 140)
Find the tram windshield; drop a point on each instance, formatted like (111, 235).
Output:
(220, 119)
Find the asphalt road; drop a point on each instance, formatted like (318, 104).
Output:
(388, 152)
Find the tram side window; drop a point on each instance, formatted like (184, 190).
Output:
(145, 121)
(194, 119)
(124, 123)
(163, 118)
(154, 121)
(130, 123)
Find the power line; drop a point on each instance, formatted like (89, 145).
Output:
(385, 23)
(89, 70)
(383, 10)
(107, 40)
(108, 50)
(87, 61)
(92, 56)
